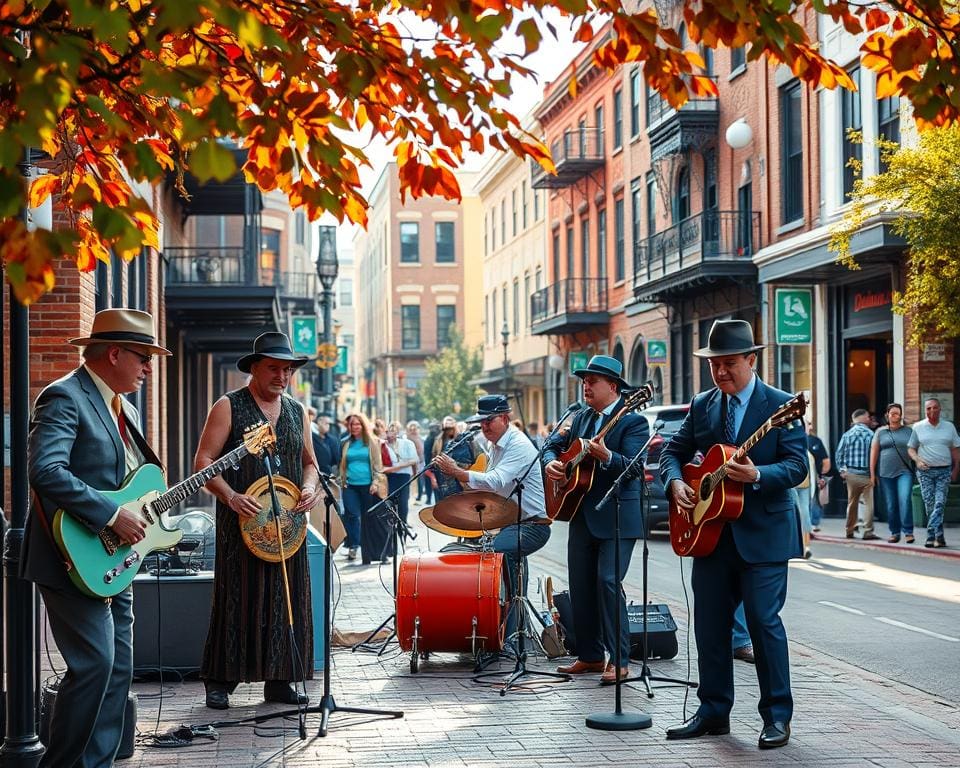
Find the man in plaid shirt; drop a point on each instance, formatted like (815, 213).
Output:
(853, 461)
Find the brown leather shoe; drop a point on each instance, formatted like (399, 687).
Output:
(745, 653)
(581, 667)
(610, 674)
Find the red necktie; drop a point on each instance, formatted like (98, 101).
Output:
(121, 423)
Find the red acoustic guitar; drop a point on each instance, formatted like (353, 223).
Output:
(695, 532)
(564, 497)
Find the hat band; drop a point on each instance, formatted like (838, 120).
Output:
(267, 351)
(132, 336)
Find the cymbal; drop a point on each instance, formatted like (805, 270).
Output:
(428, 519)
(476, 511)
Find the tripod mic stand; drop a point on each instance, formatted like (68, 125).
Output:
(327, 705)
(645, 675)
(519, 600)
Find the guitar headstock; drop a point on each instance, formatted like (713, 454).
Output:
(790, 411)
(258, 438)
(640, 397)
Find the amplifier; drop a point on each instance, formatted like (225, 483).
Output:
(48, 700)
(661, 631)
(172, 614)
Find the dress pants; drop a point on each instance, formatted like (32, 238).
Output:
(596, 593)
(95, 638)
(720, 580)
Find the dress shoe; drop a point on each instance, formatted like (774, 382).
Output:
(610, 674)
(283, 693)
(774, 735)
(581, 667)
(745, 654)
(870, 537)
(698, 726)
(217, 699)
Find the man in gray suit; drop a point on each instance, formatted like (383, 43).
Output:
(84, 439)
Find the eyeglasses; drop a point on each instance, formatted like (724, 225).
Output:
(490, 419)
(144, 359)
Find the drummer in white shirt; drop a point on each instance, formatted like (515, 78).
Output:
(510, 452)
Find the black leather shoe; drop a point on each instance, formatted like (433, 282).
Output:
(697, 727)
(218, 699)
(774, 735)
(282, 693)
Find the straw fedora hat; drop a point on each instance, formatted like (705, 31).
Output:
(126, 327)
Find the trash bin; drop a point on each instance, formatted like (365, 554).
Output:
(316, 547)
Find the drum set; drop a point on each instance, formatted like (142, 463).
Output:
(456, 600)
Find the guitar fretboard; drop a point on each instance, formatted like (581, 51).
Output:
(721, 473)
(186, 488)
(634, 401)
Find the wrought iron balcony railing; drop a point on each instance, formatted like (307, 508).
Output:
(232, 267)
(710, 235)
(574, 295)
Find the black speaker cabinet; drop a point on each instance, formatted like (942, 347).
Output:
(48, 700)
(661, 631)
(172, 614)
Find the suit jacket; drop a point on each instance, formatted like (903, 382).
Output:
(75, 452)
(768, 530)
(624, 441)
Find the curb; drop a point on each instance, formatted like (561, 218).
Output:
(910, 549)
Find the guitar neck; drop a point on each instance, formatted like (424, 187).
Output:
(742, 451)
(186, 488)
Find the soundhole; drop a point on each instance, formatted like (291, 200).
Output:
(706, 488)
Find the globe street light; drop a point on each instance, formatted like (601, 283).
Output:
(327, 268)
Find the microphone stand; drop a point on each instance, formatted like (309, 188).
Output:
(401, 530)
(519, 599)
(327, 704)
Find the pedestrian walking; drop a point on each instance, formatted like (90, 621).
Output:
(853, 460)
(892, 472)
(935, 447)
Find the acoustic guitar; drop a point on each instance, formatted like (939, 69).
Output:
(695, 532)
(564, 497)
(99, 564)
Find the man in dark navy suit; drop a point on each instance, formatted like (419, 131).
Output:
(595, 591)
(750, 559)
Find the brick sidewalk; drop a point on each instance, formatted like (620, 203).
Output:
(844, 716)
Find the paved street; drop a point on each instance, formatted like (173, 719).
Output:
(858, 703)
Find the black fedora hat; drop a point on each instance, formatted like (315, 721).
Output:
(604, 365)
(274, 345)
(729, 337)
(489, 405)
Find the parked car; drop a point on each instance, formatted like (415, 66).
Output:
(671, 416)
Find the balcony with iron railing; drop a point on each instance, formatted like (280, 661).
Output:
(708, 247)
(231, 268)
(672, 130)
(569, 305)
(577, 153)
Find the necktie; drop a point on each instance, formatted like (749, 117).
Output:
(121, 423)
(730, 425)
(594, 425)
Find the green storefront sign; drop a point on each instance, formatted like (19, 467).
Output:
(578, 360)
(794, 315)
(343, 361)
(656, 351)
(303, 336)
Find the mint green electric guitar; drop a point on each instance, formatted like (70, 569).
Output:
(100, 565)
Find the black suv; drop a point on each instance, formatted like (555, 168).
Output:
(671, 416)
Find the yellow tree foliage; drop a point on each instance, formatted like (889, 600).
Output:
(920, 190)
(124, 91)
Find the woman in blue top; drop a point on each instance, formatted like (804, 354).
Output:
(362, 478)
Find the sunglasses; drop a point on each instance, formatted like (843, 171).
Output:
(144, 359)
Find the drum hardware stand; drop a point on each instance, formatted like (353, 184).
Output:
(520, 671)
(401, 532)
(645, 675)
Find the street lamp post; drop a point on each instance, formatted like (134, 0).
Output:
(327, 268)
(505, 335)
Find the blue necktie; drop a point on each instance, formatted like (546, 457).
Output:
(730, 425)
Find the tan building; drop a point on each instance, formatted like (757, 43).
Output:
(514, 248)
(411, 267)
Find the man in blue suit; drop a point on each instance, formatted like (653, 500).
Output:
(84, 439)
(595, 591)
(750, 559)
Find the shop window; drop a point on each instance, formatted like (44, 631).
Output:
(794, 372)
